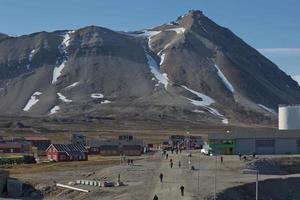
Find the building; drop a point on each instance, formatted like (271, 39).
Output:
(11, 147)
(259, 141)
(67, 152)
(105, 147)
(122, 146)
(132, 147)
(125, 137)
(41, 143)
(176, 140)
(78, 138)
(186, 141)
(7, 146)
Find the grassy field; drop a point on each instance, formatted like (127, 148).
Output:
(94, 160)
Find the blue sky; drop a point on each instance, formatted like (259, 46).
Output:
(269, 25)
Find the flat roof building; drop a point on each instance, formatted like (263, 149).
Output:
(258, 141)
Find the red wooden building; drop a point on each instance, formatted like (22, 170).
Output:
(67, 152)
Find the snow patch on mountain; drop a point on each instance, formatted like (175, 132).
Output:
(155, 70)
(225, 121)
(105, 102)
(63, 50)
(205, 103)
(266, 108)
(198, 111)
(146, 34)
(224, 79)
(67, 39)
(97, 96)
(162, 58)
(30, 56)
(32, 101)
(57, 72)
(63, 98)
(206, 100)
(32, 53)
(72, 85)
(54, 110)
(180, 30)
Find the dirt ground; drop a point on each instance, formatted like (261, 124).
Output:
(142, 179)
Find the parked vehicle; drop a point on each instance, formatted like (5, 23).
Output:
(206, 150)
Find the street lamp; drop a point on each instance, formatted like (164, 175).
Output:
(248, 171)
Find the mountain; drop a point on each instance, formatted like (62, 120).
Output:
(188, 70)
(2, 36)
(297, 79)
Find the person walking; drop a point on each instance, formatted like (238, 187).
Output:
(167, 156)
(171, 164)
(221, 158)
(182, 190)
(155, 197)
(161, 176)
(179, 164)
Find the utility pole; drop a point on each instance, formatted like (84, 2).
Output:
(215, 179)
(199, 176)
(256, 195)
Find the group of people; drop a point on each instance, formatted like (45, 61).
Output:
(181, 191)
(129, 162)
(171, 163)
(245, 157)
(161, 176)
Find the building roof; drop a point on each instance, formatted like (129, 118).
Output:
(255, 133)
(37, 138)
(10, 145)
(99, 143)
(69, 148)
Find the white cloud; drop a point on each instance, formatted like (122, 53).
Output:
(280, 50)
(297, 78)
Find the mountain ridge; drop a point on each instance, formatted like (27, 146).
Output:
(190, 69)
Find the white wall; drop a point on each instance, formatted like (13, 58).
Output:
(289, 117)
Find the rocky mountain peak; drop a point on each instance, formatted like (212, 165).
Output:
(188, 70)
